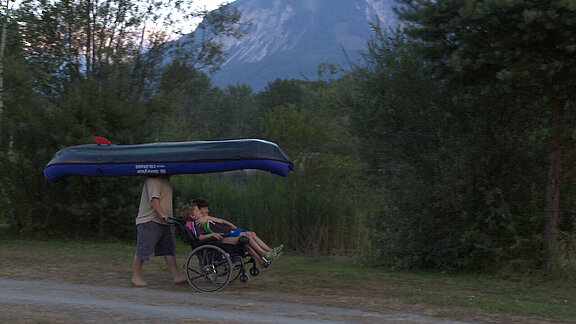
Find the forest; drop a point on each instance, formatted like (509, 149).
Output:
(450, 146)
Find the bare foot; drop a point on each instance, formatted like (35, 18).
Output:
(139, 282)
(180, 279)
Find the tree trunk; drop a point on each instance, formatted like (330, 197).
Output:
(552, 206)
(5, 12)
(553, 185)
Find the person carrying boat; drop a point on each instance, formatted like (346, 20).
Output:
(154, 231)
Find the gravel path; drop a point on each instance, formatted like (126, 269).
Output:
(31, 301)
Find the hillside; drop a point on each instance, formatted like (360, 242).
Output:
(290, 38)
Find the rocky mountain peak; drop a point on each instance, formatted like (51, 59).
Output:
(290, 38)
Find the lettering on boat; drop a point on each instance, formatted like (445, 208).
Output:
(150, 168)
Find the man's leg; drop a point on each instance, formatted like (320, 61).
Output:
(148, 235)
(172, 265)
(166, 247)
(137, 279)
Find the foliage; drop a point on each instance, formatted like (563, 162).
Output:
(525, 48)
(299, 213)
(32, 136)
(203, 48)
(431, 153)
(458, 167)
(75, 70)
(318, 202)
(181, 101)
(281, 92)
(117, 100)
(239, 112)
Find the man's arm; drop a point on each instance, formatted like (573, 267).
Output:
(156, 204)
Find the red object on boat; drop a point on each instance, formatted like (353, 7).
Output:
(101, 140)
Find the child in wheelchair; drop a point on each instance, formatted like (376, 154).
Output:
(205, 227)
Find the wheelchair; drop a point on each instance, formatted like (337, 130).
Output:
(211, 265)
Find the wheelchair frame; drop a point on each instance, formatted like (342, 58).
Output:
(211, 265)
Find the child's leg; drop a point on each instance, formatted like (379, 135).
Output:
(234, 240)
(258, 241)
(256, 257)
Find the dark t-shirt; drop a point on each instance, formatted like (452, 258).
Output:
(214, 227)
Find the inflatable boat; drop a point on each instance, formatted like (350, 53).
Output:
(167, 158)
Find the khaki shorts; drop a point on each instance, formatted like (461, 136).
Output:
(154, 237)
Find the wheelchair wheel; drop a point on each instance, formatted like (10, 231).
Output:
(208, 268)
(243, 278)
(237, 268)
(254, 271)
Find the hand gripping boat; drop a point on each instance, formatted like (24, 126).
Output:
(108, 160)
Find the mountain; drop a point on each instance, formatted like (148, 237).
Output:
(290, 38)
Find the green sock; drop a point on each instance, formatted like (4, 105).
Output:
(278, 248)
(269, 255)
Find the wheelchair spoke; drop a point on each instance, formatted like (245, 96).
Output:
(196, 273)
(208, 268)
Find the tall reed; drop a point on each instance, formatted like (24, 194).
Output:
(304, 216)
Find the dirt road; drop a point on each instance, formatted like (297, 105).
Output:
(35, 301)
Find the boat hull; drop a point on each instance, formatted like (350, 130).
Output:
(167, 158)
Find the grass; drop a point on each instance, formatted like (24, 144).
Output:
(535, 296)
(329, 279)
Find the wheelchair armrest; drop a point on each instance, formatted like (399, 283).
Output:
(243, 240)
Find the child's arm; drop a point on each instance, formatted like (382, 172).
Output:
(217, 236)
(205, 219)
(223, 221)
(200, 221)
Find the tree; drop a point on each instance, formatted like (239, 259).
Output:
(526, 48)
(77, 39)
(454, 167)
(204, 49)
(5, 11)
(235, 112)
(78, 69)
(182, 98)
(281, 92)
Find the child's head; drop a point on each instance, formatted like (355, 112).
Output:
(191, 212)
(202, 205)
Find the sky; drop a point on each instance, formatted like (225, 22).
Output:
(209, 5)
(201, 4)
